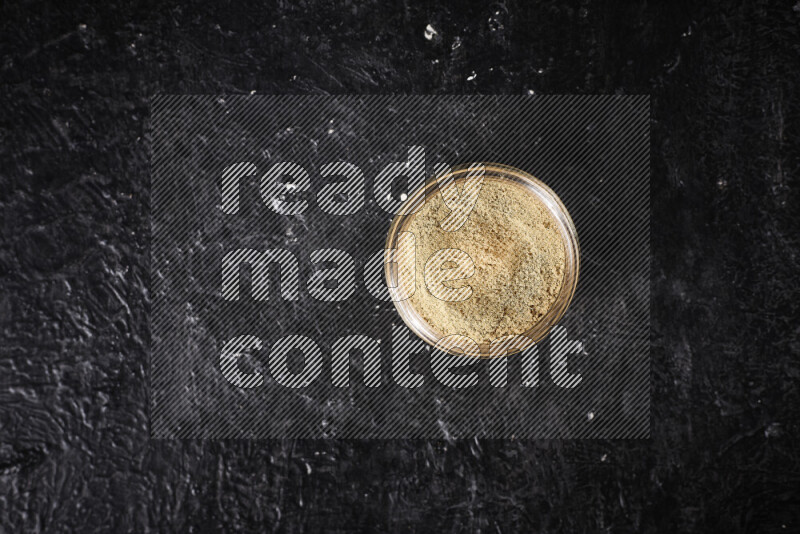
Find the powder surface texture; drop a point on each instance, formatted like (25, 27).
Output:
(519, 257)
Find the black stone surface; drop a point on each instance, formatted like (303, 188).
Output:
(74, 450)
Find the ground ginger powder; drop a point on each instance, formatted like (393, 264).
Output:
(519, 257)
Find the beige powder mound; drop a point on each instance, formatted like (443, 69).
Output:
(519, 258)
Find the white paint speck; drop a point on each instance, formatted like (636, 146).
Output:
(773, 430)
(430, 32)
(590, 416)
(472, 76)
(403, 196)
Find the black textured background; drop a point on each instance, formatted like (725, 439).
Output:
(74, 448)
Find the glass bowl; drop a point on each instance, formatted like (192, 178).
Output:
(538, 331)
